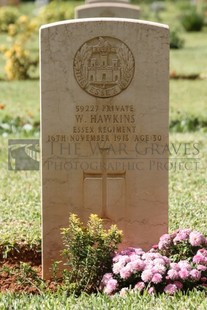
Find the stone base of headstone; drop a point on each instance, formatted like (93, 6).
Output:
(107, 9)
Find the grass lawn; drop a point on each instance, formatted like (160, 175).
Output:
(194, 300)
(192, 59)
(20, 214)
(19, 100)
(188, 98)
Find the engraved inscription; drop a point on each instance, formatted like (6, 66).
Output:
(104, 66)
(104, 122)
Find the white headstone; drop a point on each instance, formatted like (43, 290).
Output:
(107, 9)
(104, 128)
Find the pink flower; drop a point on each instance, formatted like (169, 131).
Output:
(184, 274)
(165, 237)
(201, 267)
(175, 266)
(186, 231)
(184, 264)
(151, 290)
(137, 265)
(139, 251)
(198, 259)
(127, 251)
(164, 242)
(159, 269)
(123, 291)
(196, 238)
(159, 261)
(195, 274)
(203, 252)
(178, 284)
(170, 289)
(157, 278)
(111, 286)
(116, 258)
(106, 278)
(139, 286)
(147, 275)
(181, 236)
(124, 259)
(201, 257)
(125, 272)
(117, 267)
(203, 279)
(150, 256)
(173, 274)
(166, 260)
(134, 257)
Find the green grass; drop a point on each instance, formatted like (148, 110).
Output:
(20, 214)
(188, 98)
(20, 203)
(187, 187)
(19, 100)
(193, 300)
(192, 59)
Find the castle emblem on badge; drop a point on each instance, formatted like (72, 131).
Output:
(104, 67)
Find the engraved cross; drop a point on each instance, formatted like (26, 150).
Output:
(104, 175)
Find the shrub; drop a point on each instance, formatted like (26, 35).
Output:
(189, 123)
(88, 251)
(192, 21)
(176, 42)
(8, 15)
(18, 62)
(12, 125)
(54, 12)
(23, 29)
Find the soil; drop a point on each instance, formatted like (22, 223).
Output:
(10, 280)
(21, 270)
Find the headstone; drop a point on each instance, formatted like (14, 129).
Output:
(104, 128)
(9, 2)
(107, 8)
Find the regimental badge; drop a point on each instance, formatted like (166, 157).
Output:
(104, 66)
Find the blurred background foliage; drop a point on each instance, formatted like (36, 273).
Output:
(19, 59)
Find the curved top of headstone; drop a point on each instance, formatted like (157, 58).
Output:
(107, 9)
(109, 1)
(103, 20)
